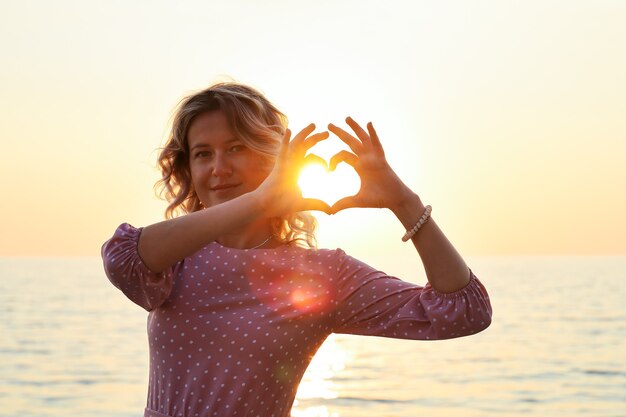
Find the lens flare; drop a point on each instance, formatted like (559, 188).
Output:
(289, 293)
(309, 296)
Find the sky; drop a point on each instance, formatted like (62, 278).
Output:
(508, 117)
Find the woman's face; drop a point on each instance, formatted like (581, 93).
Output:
(221, 166)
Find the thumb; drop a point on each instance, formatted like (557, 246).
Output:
(315, 204)
(342, 156)
(344, 203)
(312, 159)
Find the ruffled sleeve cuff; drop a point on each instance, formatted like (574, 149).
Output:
(460, 313)
(125, 269)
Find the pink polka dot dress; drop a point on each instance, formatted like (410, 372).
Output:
(231, 331)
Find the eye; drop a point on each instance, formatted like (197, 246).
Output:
(237, 148)
(203, 154)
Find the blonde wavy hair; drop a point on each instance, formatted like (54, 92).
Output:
(256, 122)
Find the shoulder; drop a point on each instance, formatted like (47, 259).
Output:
(322, 255)
(335, 261)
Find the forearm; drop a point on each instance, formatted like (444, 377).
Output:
(163, 244)
(445, 268)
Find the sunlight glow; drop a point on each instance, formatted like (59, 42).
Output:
(319, 411)
(317, 381)
(316, 182)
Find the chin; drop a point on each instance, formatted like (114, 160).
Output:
(215, 200)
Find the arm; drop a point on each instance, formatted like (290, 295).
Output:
(445, 268)
(382, 188)
(369, 302)
(163, 244)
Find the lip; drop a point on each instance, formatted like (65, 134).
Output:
(220, 187)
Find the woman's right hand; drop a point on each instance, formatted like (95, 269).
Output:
(279, 194)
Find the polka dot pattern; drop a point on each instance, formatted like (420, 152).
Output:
(231, 331)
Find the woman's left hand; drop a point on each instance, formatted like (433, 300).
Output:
(380, 186)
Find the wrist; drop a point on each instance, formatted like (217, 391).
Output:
(257, 201)
(408, 208)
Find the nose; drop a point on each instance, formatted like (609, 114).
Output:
(221, 166)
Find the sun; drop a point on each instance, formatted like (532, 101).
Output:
(316, 182)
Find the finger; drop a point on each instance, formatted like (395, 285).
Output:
(374, 137)
(344, 203)
(284, 145)
(347, 138)
(343, 156)
(315, 204)
(303, 134)
(314, 140)
(361, 134)
(314, 159)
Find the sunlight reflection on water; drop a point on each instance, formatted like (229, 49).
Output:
(318, 380)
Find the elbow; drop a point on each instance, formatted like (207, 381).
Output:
(484, 323)
(480, 322)
(109, 263)
(474, 324)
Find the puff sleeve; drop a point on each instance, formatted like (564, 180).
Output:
(127, 272)
(373, 303)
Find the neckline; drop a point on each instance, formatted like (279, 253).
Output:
(262, 243)
(279, 247)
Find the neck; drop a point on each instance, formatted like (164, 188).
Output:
(252, 236)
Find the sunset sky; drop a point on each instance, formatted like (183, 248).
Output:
(508, 117)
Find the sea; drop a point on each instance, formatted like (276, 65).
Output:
(72, 345)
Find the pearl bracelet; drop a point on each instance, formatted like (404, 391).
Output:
(411, 232)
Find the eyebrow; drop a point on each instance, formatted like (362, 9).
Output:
(204, 145)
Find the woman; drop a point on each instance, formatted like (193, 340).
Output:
(239, 298)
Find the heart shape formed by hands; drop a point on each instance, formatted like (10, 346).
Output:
(317, 181)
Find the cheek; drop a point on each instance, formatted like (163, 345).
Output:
(197, 174)
(257, 176)
(264, 167)
(266, 164)
(258, 166)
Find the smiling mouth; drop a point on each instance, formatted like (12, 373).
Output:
(223, 187)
